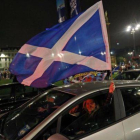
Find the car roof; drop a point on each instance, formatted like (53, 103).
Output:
(79, 88)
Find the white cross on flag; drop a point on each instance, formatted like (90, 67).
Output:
(74, 46)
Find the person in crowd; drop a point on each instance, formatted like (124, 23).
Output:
(128, 66)
(47, 106)
(15, 79)
(4, 74)
(66, 82)
(11, 75)
(108, 74)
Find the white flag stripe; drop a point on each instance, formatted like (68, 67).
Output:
(35, 51)
(70, 58)
(94, 63)
(41, 68)
(91, 62)
(26, 48)
(42, 52)
(104, 33)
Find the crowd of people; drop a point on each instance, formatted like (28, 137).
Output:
(6, 75)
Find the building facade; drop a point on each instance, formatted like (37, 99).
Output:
(6, 57)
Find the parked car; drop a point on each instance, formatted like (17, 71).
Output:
(129, 75)
(49, 115)
(15, 94)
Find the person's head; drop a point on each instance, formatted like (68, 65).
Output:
(89, 105)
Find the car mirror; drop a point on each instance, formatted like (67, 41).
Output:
(57, 137)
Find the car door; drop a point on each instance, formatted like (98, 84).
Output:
(106, 127)
(114, 132)
(74, 122)
(130, 97)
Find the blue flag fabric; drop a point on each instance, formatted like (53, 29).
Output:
(74, 46)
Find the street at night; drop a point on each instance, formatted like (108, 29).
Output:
(69, 70)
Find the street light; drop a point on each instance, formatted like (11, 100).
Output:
(111, 52)
(130, 53)
(132, 29)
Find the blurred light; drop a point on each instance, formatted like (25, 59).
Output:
(52, 54)
(133, 28)
(66, 85)
(27, 55)
(80, 52)
(138, 92)
(136, 129)
(111, 52)
(127, 30)
(53, 97)
(75, 38)
(130, 53)
(2, 55)
(60, 55)
(138, 26)
(102, 53)
(15, 116)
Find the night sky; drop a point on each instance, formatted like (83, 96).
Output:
(21, 20)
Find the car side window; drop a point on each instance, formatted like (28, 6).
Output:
(88, 116)
(131, 98)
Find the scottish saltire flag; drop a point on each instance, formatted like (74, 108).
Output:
(75, 46)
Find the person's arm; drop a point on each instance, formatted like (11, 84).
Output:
(110, 94)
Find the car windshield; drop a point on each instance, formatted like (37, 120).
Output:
(26, 117)
(133, 75)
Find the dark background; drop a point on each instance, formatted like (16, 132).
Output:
(22, 19)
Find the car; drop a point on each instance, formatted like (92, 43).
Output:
(58, 114)
(13, 95)
(133, 74)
